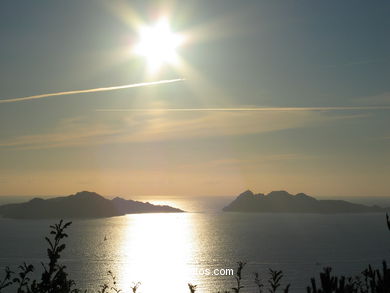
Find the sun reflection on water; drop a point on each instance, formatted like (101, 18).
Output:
(157, 251)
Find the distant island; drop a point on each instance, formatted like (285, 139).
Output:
(284, 202)
(83, 204)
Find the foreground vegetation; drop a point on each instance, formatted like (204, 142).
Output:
(55, 279)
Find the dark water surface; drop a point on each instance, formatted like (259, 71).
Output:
(166, 251)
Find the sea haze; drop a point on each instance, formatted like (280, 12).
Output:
(164, 251)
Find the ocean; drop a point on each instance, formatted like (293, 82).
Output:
(164, 252)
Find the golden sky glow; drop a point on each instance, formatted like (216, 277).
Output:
(260, 96)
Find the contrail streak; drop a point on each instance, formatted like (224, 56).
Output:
(343, 108)
(101, 89)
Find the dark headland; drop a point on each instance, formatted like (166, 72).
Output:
(83, 204)
(284, 202)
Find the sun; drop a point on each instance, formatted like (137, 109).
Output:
(158, 44)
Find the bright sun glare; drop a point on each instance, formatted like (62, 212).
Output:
(158, 45)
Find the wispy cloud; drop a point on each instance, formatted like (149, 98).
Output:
(75, 131)
(101, 89)
(251, 161)
(142, 127)
(266, 109)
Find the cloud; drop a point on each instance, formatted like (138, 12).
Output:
(173, 126)
(143, 127)
(251, 109)
(102, 89)
(74, 131)
(249, 162)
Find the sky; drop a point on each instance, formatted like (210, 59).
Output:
(313, 76)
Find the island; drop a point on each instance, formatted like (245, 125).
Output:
(284, 202)
(84, 204)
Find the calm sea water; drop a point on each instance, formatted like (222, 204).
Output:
(166, 251)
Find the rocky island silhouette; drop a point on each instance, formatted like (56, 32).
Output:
(84, 204)
(284, 202)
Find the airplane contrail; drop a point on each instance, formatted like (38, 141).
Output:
(101, 89)
(341, 108)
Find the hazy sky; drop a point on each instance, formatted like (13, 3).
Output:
(238, 54)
